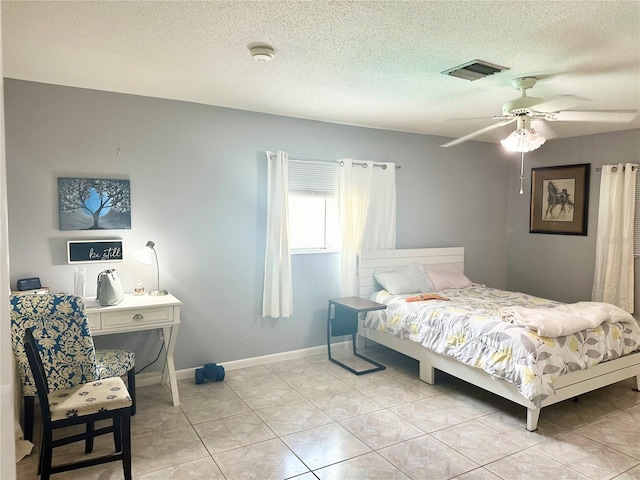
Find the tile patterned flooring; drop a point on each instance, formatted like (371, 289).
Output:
(309, 419)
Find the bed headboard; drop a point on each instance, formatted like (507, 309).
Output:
(371, 259)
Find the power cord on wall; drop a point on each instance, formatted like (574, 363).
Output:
(154, 361)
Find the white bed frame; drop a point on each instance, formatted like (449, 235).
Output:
(567, 386)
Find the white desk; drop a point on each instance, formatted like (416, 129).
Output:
(137, 313)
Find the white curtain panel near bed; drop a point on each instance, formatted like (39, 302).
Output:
(367, 199)
(613, 276)
(277, 296)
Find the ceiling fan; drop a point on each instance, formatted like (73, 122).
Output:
(526, 109)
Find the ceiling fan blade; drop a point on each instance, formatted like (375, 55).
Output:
(592, 116)
(588, 68)
(544, 129)
(466, 119)
(478, 132)
(559, 102)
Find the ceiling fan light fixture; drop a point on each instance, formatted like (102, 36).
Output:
(523, 140)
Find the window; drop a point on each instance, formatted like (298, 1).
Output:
(314, 223)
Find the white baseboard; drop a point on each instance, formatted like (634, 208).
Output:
(153, 378)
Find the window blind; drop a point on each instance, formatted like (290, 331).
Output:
(313, 178)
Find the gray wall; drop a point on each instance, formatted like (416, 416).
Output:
(561, 266)
(198, 190)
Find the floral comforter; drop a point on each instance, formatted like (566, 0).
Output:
(467, 328)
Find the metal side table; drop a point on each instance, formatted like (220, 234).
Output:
(342, 319)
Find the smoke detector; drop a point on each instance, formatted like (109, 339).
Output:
(261, 53)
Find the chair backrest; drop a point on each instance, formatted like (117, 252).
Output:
(61, 330)
(37, 369)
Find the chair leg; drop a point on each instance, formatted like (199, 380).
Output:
(46, 455)
(131, 386)
(126, 446)
(88, 447)
(41, 456)
(29, 413)
(117, 433)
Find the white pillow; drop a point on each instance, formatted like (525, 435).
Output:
(447, 276)
(408, 279)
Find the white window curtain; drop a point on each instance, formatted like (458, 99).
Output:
(367, 199)
(613, 276)
(277, 296)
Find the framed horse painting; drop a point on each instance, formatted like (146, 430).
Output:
(559, 199)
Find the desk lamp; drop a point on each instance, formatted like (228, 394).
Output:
(144, 256)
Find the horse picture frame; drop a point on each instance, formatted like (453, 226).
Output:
(560, 199)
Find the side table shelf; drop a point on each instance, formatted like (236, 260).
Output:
(342, 319)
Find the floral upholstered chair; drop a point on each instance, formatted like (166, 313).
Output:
(59, 323)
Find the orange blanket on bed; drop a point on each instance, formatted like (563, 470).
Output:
(426, 296)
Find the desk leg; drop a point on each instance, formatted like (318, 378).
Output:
(170, 335)
(166, 332)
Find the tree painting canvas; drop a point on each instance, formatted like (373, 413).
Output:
(94, 204)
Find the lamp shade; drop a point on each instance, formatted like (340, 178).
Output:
(523, 140)
(144, 255)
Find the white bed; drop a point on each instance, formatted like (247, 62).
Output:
(566, 386)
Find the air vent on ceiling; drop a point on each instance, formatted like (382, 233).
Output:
(474, 70)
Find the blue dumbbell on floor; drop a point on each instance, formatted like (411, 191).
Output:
(210, 371)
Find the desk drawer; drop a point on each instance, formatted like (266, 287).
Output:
(133, 317)
(94, 321)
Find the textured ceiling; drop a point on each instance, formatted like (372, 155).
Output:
(369, 63)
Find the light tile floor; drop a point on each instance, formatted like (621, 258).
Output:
(309, 419)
